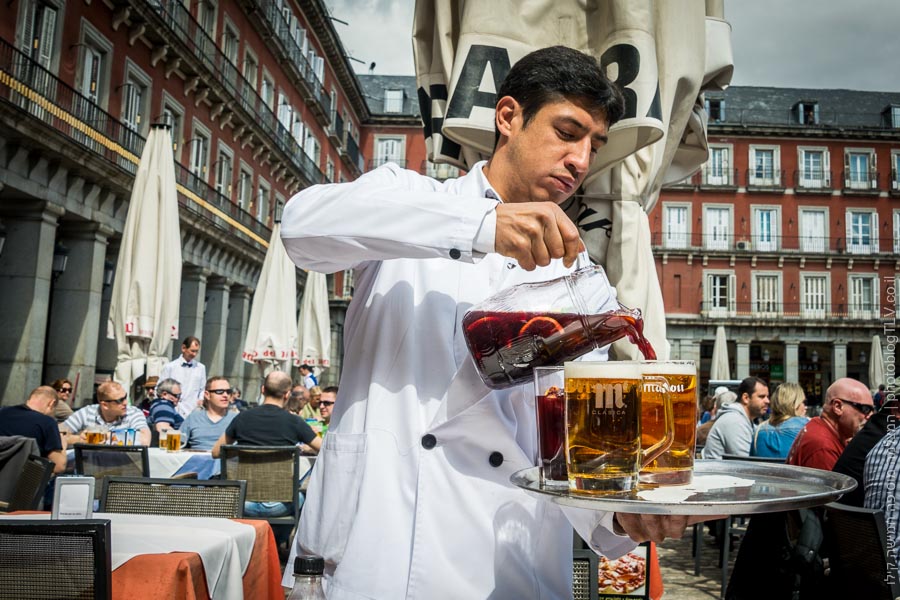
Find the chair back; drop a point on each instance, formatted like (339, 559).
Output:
(100, 461)
(173, 497)
(32, 484)
(63, 560)
(856, 542)
(271, 472)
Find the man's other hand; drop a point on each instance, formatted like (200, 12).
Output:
(656, 528)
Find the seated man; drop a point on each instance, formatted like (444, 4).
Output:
(269, 425)
(326, 406)
(110, 412)
(732, 431)
(34, 419)
(202, 428)
(163, 414)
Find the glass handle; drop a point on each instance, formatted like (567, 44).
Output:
(654, 451)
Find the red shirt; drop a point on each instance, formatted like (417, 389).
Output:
(818, 445)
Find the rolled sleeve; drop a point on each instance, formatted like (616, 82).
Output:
(596, 528)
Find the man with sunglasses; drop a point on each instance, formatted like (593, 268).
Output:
(163, 410)
(111, 411)
(202, 428)
(848, 405)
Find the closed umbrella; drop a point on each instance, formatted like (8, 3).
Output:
(663, 54)
(271, 339)
(143, 311)
(876, 363)
(314, 325)
(720, 369)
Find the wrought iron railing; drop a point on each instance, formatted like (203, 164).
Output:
(770, 309)
(351, 148)
(761, 243)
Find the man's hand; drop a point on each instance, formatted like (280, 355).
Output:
(656, 528)
(533, 233)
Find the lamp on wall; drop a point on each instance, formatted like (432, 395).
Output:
(862, 357)
(109, 270)
(765, 355)
(814, 357)
(60, 260)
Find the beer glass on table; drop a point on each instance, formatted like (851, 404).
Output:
(675, 466)
(550, 410)
(603, 426)
(95, 435)
(173, 440)
(163, 434)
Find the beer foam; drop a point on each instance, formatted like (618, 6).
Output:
(605, 370)
(669, 368)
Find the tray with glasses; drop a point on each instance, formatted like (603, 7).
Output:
(718, 487)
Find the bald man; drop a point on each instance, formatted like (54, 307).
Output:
(34, 419)
(848, 405)
(112, 411)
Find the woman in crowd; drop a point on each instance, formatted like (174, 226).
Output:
(773, 438)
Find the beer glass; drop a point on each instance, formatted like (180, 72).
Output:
(603, 426)
(162, 439)
(96, 435)
(675, 466)
(550, 409)
(173, 440)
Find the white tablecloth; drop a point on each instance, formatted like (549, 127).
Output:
(224, 545)
(162, 464)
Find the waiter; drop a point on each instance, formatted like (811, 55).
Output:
(411, 496)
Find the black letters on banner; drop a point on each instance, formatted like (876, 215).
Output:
(466, 96)
(628, 58)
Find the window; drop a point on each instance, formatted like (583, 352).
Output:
(230, 43)
(298, 129)
(765, 166)
(224, 172)
(332, 107)
(262, 202)
(245, 188)
(717, 232)
(312, 148)
(267, 91)
(862, 228)
(91, 65)
(206, 33)
(251, 69)
(717, 169)
(389, 149)
(719, 293)
(814, 302)
(896, 231)
(676, 226)
(393, 101)
(814, 229)
(329, 171)
(815, 170)
(859, 172)
(173, 115)
(895, 171)
(765, 229)
(766, 294)
(285, 111)
(891, 116)
(863, 297)
(343, 284)
(38, 32)
(807, 112)
(199, 149)
(715, 108)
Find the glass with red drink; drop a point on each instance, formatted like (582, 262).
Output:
(550, 406)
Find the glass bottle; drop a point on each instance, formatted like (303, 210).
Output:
(308, 578)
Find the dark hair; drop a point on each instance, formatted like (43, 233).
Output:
(190, 340)
(557, 73)
(214, 379)
(331, 389)
(748, 385)
(56, 385)
(305, 368)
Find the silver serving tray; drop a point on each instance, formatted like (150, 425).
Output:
(776, 488)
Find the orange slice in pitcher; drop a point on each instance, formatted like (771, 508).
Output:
(542, 326)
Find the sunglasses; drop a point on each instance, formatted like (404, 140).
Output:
(64, 390)
(325, 403)
(176, 396)
(119, 401)
(220, 392)
(863, 408)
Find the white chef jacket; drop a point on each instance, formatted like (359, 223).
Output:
(405, 500)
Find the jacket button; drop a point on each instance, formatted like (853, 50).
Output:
(429, 441)
(455, 254)
(496, 459)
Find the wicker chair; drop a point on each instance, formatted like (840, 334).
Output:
(175, 497)
(858, 546)
(64, 560)
(31, 485)
(100, 461)
(271, 472)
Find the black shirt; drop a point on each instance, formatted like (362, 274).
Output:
(853, 459)
(21, 420)
(269, 425)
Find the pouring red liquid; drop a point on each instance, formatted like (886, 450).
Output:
(506, 346)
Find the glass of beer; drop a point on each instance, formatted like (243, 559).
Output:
(173, 440)
(550, 409)
(162, 439)
(95, 435)
(603, 426)
(675, 466)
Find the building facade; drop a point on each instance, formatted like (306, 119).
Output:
(789, 236)
(261, 102)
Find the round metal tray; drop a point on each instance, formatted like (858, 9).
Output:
(775, 488)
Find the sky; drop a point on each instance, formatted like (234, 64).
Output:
(849, 44)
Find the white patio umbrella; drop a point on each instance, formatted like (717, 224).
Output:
(719, 368)
(143, 311)
(314, 324)
(271, 340)
(664, 55)
(876, 363)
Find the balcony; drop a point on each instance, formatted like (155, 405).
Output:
(719, 179)
(729, 244)
(765, 180)
(690, 183)
(812, 181)
(860, 183)
(336, 130)
(439, 171)
(40, 95)
(351, 155)
(766, 310)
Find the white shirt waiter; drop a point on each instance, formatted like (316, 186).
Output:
(190, 373)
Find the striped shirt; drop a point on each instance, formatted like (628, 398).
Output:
(192, 377)
(880, 477)
(85, 417)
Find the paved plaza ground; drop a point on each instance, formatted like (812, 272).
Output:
(677, 566)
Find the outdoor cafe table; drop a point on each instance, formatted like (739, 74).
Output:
(162, 464)
(152, 568)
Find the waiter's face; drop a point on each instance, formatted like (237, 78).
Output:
(553, 151)
(190, 352)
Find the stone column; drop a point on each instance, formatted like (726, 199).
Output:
(742, 364)
(838, 361)
(791, 362)
(193, 303)
(75, 313)
(25, 274)
(236, 331)
(215, 325)
(106, 348)
(690, 350)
